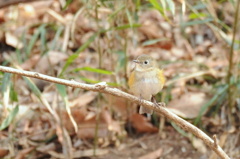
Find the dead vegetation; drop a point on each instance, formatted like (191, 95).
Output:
(93, 41)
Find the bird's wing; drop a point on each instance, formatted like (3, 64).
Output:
(131, 79)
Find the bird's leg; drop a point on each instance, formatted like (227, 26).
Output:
(141, 99)
(144, 111)
(153, 99)
(160, 104)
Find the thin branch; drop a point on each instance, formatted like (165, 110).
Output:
(231, 57)
(103, 88)
(215, 140)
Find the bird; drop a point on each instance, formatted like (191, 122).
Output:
(146, 80)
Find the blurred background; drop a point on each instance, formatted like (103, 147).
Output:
(196, 43)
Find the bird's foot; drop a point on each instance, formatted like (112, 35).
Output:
(160, 104)
(140, 99)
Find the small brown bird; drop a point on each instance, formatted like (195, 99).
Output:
(146, 80)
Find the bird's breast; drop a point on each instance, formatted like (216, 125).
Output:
(146, 84)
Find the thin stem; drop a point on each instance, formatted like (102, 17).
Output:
(231, 64)
(99, 78)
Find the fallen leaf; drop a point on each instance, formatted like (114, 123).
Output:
(153, 27)
(78, 115)
(28, 11)
(48, 147)
(199, 145)
(106, 125)
(3, 152)
(50, 59)
(23, 153)
(80, 153)
(13, 41)
(119, 105)
(87, 131)
(89, 152)
(31, 62)
(189, 104)
(87, 121)
(152, 155)
(141, 124)
(106, 116)
(83, 99)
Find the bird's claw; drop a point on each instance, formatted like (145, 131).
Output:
(161, 104)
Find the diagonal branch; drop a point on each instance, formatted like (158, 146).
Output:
(102, 87)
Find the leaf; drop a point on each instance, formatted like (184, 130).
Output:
(76, 54)
(96, 70)
(194, 100)
(153, 41)
(56, 38)
(94, 81)
(5, 81)
(13, 94)
(62, 90)
(34, 39)
(50, 58)
(154, 154)
(129, 18)
(121, 59)
(209, 103)
(197, 22)
(171, 6)
(180, 130)
(116, 12)
(200, 6)
(157, 6)
(160, 8)
(127, 26)
(43, 40)
(32, 86)
(10, 118)
(164, 5)
(142, 125)
(83, 99)
(227, 38)
(68, 2)
(198, 15)
(199, 145)
(89, 80)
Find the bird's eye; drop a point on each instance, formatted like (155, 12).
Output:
(146, 62)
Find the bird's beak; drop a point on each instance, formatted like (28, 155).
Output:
(136, 61)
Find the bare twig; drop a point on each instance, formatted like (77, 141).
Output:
(116, 92)
(215, 140)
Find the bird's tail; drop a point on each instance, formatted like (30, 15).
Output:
(143, 110)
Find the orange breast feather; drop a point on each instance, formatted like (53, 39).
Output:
(161, 76)
(131, 79)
